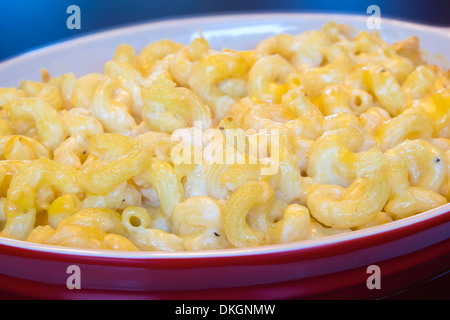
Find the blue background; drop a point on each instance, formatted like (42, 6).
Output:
(27, 24)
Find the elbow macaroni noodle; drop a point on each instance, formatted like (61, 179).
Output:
(184, 147)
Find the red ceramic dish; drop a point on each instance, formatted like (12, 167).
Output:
(405, 252)
(408, 252)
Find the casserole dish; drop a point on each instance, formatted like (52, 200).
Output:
(407, 251)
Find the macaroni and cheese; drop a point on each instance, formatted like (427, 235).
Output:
(185, 147)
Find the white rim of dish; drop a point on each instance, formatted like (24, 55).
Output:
(92, 36)
(235, 252)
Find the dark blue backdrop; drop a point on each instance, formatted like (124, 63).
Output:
(27, 24)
